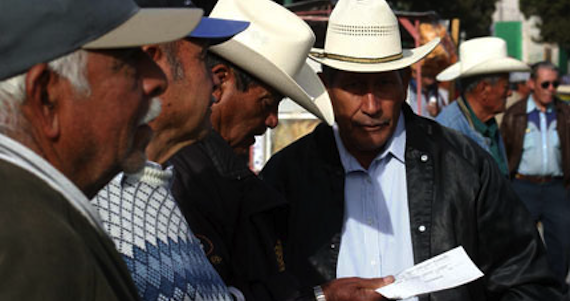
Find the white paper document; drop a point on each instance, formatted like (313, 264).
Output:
(448, 270)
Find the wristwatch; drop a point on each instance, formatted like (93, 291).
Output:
(319, 294)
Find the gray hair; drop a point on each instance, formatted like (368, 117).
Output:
(542, 65)
(470, 83)
(13, 90)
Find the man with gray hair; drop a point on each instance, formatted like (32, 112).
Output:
(484, 77)
(71, 119)
(537, 141)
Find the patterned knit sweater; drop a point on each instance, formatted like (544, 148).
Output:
(165, 259)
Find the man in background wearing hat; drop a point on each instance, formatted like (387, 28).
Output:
(240, 220)
(536, 131)
(138, 210)
(520, 88)
(71, 119)
(483, 69)
(384, 189)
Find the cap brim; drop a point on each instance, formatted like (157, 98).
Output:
(150, 26)
(217, 30)
(306, 89)
(410, 56)
(493, 66)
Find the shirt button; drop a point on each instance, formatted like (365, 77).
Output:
(373, 262)
(422, 228)
(424, 158)
(333, 246)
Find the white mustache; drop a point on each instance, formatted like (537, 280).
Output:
(154, 110)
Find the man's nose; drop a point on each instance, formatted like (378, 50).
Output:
(370, 103)
(272, 120)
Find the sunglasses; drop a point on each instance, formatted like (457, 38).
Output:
(546, 84)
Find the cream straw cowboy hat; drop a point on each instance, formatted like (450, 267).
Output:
(363, 36)
(478, 56)
(274, 49)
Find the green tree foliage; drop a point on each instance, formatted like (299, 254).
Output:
(554, 22)
(475, 15)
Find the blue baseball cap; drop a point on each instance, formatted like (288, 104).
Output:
(214, 30)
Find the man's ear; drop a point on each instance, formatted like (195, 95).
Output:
(484, 88)
(225, 77)
(41, 106)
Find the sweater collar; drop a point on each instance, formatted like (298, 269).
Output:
(152, 173)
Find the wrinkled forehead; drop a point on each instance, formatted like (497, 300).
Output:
(546, 73)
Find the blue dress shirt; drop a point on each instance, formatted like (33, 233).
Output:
(541, 148)
(376, 239)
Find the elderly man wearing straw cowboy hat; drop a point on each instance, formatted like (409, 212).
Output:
(77, 94)
(384, 189)
(483, 69)
(240, 219)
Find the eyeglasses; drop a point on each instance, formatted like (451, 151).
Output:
(546, 84)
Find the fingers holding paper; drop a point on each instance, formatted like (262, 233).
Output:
(355, 289)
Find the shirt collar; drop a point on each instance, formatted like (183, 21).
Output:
(15, 153)
(395, 146)
(531, 106)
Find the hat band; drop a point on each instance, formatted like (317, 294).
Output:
(351, 59)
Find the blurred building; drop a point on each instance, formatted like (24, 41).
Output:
(520, 34)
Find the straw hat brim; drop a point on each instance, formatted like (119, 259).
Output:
(410, 56)
(492, 66)
(305, 88)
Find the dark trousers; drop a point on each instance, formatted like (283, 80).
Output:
(549, 204)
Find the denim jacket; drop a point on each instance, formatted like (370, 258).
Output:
(455, 116)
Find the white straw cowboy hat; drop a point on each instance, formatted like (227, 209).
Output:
(364, 36)
(274, 49)
(487, 55)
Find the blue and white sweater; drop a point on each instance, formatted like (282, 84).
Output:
(165, 259)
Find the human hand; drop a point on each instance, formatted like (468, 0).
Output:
(355, 289)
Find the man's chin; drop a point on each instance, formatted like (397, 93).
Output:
(134, 163)
(136, 158)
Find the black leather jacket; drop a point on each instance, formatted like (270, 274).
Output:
(457, 197)
(239, 219)
(513, 132)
